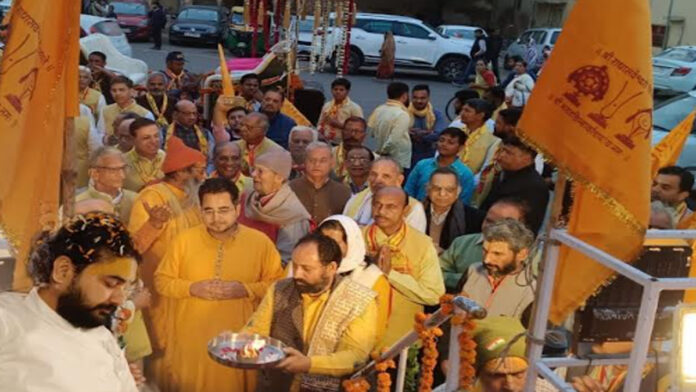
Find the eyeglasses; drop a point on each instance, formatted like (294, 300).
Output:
(112, 169)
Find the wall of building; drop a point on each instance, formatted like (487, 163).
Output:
(682, 29)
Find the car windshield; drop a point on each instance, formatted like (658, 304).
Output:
(686, 55)
(672, 112)
(198, 14)
(461, 33)
(437, 31)
(237, 18)
(554, 37)
(129, 8)
(108, 27)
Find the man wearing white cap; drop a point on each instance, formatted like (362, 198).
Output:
(272, 207)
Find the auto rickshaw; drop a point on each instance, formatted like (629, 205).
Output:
(240, 37)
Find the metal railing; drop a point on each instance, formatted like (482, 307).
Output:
(652, 287)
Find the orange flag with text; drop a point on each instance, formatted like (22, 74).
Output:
(667, 151)
(591, 115)
(38, 90)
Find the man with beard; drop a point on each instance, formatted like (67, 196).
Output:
(228, 164)
(499, 282)
(672, 186)
(250, 84)
(156, 99)
(234, 122)
(326, 321)
(300, 137)
(384, 172)
(220, 293)
(162, 211)
(406, 257)
(272, 207)
(354, 133)
(279, 125)
(54, 338)
(144, 161)
(428, 122)
(185, 127)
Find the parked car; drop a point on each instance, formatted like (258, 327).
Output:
(675, 69)
(306, 33)
(418, 45)
(132, 17)
(90, 24)
(542, 37)
(667, 115)
(199, 24)
(459, 31)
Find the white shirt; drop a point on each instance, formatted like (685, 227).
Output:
(415, 218)
(42, 352)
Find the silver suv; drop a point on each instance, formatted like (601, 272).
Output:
(418, 45)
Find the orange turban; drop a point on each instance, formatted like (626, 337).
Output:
(180, 156)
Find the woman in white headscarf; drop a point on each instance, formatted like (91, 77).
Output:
(348, 235)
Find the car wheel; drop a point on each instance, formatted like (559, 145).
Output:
(452, 68)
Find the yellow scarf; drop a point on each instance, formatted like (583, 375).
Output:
(202, 140)
(390, 102)
(176, 81)
(324, 128)
(400, 262)
(159, 113)
(428, 113)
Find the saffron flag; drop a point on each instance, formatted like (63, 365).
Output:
(38, 90)
(591, 115)
(667, 151)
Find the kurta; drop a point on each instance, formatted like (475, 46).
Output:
(82, 150)
(341, 112)
(153, 243)
(105, 125)
(354, 346)
(476, 148)
(94, 100)
(389, 125)
(415, 278)
(250, 153)
(122, 203)
(41, 351)
(140, 171)
(249, 258)
(456, 260)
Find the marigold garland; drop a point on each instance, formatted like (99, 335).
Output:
(429, 359)
(383, 378)
(356, 385)
(467, 346)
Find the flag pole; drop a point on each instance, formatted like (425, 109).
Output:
(544, 287)
(68, 175)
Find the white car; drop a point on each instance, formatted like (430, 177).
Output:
(667, 115)
(418, 45)
(459, 31)
(135, 69)
(91, 24)
(675, 69)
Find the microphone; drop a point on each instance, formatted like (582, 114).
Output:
(470, 306)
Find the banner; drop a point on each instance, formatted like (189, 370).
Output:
(667, 151)
(591, 115)
(38, 90)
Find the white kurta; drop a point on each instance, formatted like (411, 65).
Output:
(40, 351)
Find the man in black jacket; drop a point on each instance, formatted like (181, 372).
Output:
(158, 19)
(519, 179)
(447, 217)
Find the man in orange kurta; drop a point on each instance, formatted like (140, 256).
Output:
(161, 212)
(214, 274)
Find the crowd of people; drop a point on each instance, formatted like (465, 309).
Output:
(328, 238)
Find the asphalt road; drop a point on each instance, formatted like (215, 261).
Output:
(366, 91)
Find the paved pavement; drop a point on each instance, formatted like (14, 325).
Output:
(366, 91)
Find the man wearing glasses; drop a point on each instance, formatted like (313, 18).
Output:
(107, 172)
(254, 143)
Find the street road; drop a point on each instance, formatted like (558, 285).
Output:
(366, 91)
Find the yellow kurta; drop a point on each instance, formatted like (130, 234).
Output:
(476, 148)
(355, 344)
(94, 100)
(419, 284)
(140, 171)
(153, 243)
(250, 258)
(109, 113)
(81, 138)
(342, 112)
(248, 155)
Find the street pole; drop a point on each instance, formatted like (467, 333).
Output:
(665, 41)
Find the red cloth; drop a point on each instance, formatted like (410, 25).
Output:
(180, 156)
(489, 77)
(269, 229)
